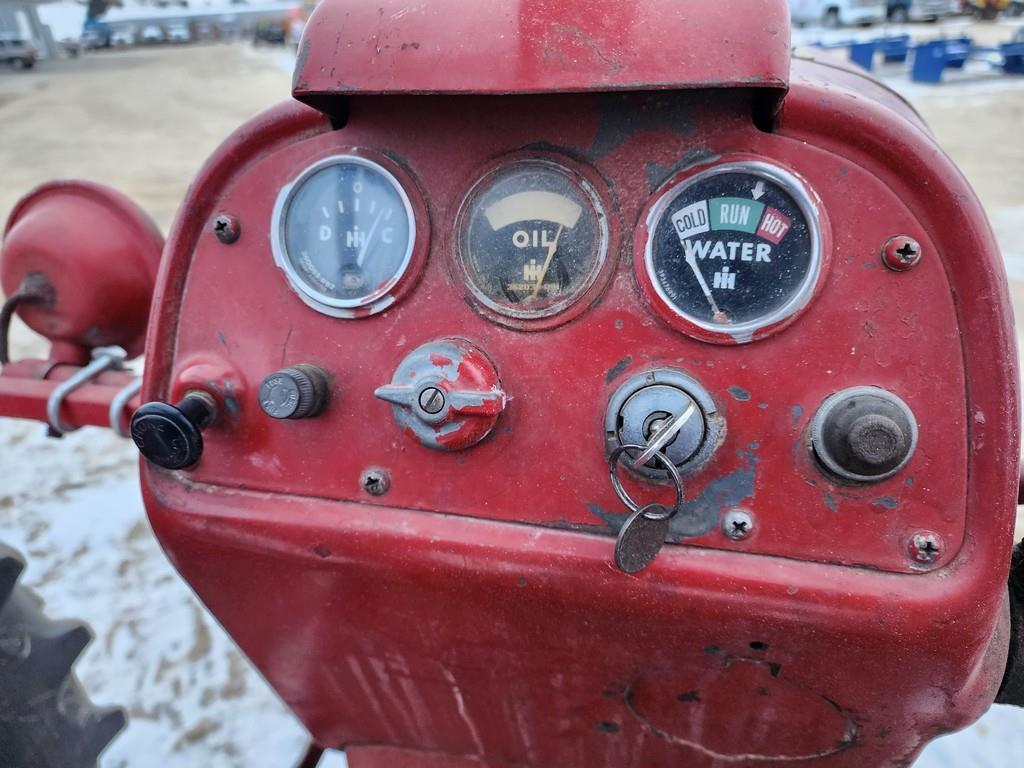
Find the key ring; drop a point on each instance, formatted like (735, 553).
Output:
(661, 458)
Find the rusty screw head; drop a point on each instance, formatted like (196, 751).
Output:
(375, 481)
(738, 524)
(227, 228)
(900, 253)
(925, 547)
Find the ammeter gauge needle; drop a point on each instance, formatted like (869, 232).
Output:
(369, 239)
(691, 259)
(547, 264)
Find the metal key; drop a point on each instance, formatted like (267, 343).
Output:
(643, 535)
(664, 435)
(642, 538)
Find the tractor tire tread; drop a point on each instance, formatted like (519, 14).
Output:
(46, 719)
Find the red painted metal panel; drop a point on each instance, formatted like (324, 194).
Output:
(468, 636)
(768, 391)
(538, 46)
(527, 646)
(434, 621)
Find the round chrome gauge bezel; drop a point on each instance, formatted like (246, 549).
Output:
(799, 300)
(374, 302)
(462, 256)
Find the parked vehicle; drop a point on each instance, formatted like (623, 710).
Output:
(902, 11)
(205, 31)
(96, 35)
(17, 52)
(123, 37)
(178, 32)
(836, 13)
(70, 47)
(152, 33)
(269, 33)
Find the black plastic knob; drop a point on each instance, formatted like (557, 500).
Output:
(298, 392)
(170, 436)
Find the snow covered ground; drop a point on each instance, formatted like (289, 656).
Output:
(73, 508)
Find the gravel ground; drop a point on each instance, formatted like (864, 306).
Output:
(143, 121)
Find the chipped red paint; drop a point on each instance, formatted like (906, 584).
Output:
(472, 615)
(535, 615)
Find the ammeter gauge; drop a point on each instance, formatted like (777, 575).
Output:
(534, 237)
(733, 250)
(344, 233)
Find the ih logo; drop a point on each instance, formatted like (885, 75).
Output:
(725, 279)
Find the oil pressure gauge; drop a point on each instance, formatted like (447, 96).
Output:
(533, 239)
(344, 234)
(733, 250)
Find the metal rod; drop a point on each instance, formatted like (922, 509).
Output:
(312, 757)
(34, 289)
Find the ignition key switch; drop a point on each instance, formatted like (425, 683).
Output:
(667, 411)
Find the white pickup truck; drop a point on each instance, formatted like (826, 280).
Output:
(835, 13)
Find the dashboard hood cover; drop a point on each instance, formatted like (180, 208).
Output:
(540, 46)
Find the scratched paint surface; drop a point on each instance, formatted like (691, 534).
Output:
(762, 463)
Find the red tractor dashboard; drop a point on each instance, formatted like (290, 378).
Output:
(549, 394)
(602, 318)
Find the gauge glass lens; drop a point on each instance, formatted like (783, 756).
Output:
(534, 239)
(347, 232)
(735, 249)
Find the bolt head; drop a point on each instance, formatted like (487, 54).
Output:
(375, 481)
(227, 228)
(432, 400)
(738, 524)
(925, 547)
(901, 253)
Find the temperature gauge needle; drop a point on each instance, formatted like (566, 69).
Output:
(691, 259)
(547, 264)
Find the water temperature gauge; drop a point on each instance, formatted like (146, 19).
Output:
(733, 251)
(534, 237)
(344, 233)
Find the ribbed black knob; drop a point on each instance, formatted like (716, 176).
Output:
(294, 393)
(170, 436)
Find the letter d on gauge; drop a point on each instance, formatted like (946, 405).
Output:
(692, 220)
